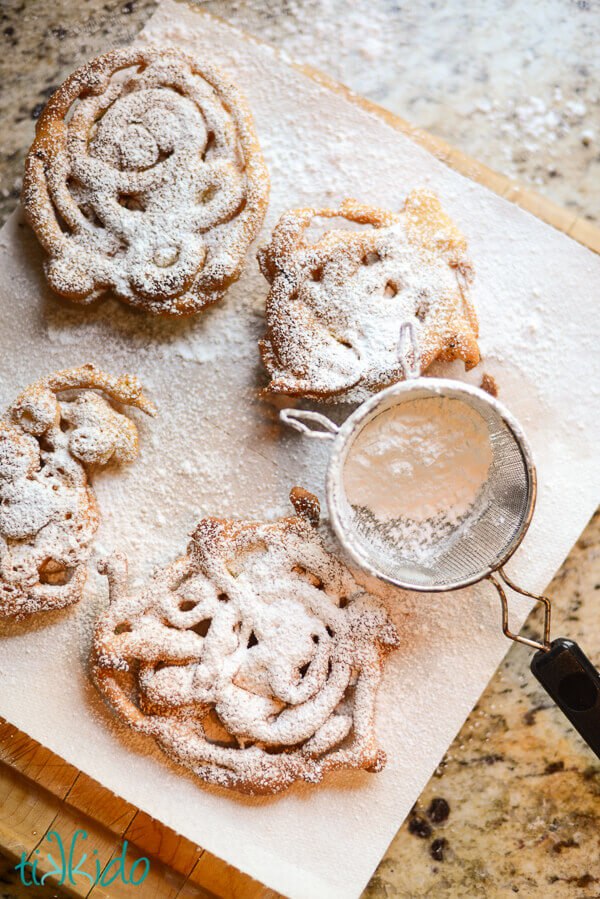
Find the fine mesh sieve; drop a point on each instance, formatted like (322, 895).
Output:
(479, 543)
(482, 540)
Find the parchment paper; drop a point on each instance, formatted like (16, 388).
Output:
(216, 449)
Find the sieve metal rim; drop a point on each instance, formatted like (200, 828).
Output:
(343, 440)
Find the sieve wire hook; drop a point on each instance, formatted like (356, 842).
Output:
(409, 357)
(535, 644)
(297, 418)
(561, 667)
(407, 347)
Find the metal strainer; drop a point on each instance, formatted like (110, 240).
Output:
(479, 546)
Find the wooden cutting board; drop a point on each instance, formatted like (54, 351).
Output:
(39, 792)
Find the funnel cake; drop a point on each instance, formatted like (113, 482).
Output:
(146, 178)
(48, 512)
(336, 305)
(254, 660)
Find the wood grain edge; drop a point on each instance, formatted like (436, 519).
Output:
(558, 217)
(579, 229)
(40, 792)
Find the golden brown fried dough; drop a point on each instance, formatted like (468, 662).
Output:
(336, 305)
(146, 179)
(254, 660)
(48, 512)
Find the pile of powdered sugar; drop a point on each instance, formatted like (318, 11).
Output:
(420, 469)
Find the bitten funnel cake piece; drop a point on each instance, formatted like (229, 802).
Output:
(48, 512)
(254, 660)
(336, 305)
(146, 178)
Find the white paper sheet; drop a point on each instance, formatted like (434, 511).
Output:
(216, 449)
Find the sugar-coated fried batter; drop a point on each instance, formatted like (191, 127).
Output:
(254, 660)
(336, 304)
(146, 179)
(48, 512)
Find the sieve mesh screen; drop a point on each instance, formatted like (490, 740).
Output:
(465, 550)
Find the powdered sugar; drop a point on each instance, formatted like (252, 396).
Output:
(417, 473)
(501, 102)
(48, 513)
(254, 660)
(146, 178)
(336, 304)
(320, 148)
(419, 459)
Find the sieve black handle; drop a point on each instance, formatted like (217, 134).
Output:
(568, 676)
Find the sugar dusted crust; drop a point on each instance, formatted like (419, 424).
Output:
(335, 305)
(254, 660)
(48, 511)
(146, 179)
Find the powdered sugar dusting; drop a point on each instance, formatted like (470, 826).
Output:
(48, 512)
(254, 660)
(417, 472)
(336, 304)
(536, 294)
(145, 177)
(418, 459)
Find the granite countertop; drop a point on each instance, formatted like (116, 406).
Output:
(514, 806)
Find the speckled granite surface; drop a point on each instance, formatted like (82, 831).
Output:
(515, 805)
